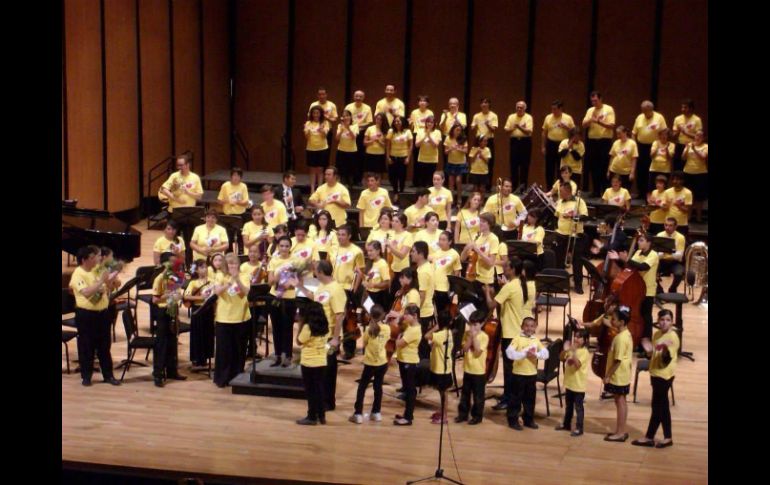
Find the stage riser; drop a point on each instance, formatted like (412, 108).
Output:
(242, 385)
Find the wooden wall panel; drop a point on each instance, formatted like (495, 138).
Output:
(560, 68)
(84, 102)
(319, 60)
(216, 85)
(260, 82)
(122, 105)
(187, 79)
(498, 72)
(154, 44)
(684, 58)
(624, 50)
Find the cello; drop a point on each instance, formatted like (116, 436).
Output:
(494, 330)
(395, 323)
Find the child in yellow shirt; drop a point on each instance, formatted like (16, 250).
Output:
(375, 364)
(440, 339)
(475, 343)
(576, 359)
(312, 338)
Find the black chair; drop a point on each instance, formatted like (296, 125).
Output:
(145, 276)
(643, 365)
(66, 336)
(133, 341)
(363, 233)
(67, 306)
(551, 282)
(551, 371)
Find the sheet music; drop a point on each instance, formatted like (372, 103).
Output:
(368, 304)
(467, 310)
(311, 284)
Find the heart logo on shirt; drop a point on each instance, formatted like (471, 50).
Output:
(304, 253)
(623, 152)
(437, 200)
(617, 199)
(653, 126)
(335, 196)
(690, 126)
(371, 274)
(443, 261)
(508, 207)
(473, 221)
(324, 239)
(189, 185)
(271, 214)
(530, 235)
(212, 241)
(344, 258)
(322, 297)
(378, 201)
(484, 247)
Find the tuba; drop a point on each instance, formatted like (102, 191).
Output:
(696, 270)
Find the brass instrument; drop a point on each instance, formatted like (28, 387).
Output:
(569, 255)
(696, 270)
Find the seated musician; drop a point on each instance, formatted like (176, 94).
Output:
(169, 242)
(216, 265)
(399, 246)
(348, 262)
(252, 265)
(486, 247)
(323, 233)
(616, 194)
(571, 151)
(507, 208)
(164, 355)
(209, 238)
(679, 200)
(377, 279)
(256, 232)
(565, 177)
(234, 195)
(567, 210)
(183, 188)
(415, 213)
(332, 196)
(275, 211)
(657, 198)
(446, 261)
(468, 222)
(408, 293)
(533, 232)
(382, 231)
(426, 280)
(441, 200)
(430, 234)
(201, 324)
(372, 201)
(302, 247)
(672, 263)
(599, 247)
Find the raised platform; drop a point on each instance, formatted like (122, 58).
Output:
(270, 381)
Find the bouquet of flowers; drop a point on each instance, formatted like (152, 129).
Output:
(174, 278)
(289, 273)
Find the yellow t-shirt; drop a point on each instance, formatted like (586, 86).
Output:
(695, 165)
(374, 348)
(383, 106)
(472, 364)
(450, 120)
(438, 200)
(658, 216)
(417, 118)
(529, 303)
(478, 165)
(415, 214)
(380, 235)
(657, 368)
(175, 183)
(680, 242)
(479, 120)
(233, 193)
(621, 349)
(195, 285)
(249, 269)
(557, 185)
(372, 203)
(574, 378)
(684, 195)
(333, 299)
(528, 365)
(455, 157)
(511, 301)
(276, 264)
(648, 276)
(569, 159)
(511, 207)
(158, 289)
(606, 115)
(489, 246)
(379, 273)
(515, 120)
(345, 261)
(622, 155)
(554, 132)
(430, 239)
(205, 237)
(362, 115)
(502, 256)
(399, 142)
(251, 231)
(330, 109)
(82, 279)
(324, 241)
(408, 354)
(412, 297)
(406, 239)
(232, 305)
(446, 262)
(317, 140)
(313, 353)
(302, 252)
(469, 223)
(347, 140)
(439, 362)
(659, 162)
(693, 124)
(534, 234)
(428, 153)
(646, 129)
(564, 226)
(275, 214)
(163, 245)
(427, 280)
(616, 197)
(337, 193)
(375, 134)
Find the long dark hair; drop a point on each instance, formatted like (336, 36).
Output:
(518, 266)
(393, 125)
(383, 124)
(330, 224)
(321, 118)
(374, 323)
(315, 317)
(412, 275)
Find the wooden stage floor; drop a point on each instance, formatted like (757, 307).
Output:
(194, 427)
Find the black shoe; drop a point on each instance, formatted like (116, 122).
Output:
(221, 386)
(577, 432)
(515, 425)
(322, 419)
(112, 381)
(400, 390)
(474, 421)
(158, 382)
(664, 445)
(401, 396)
(531, 425)
(307, 422)
(561, 427)
(276, 363)
(579, 290)
(501, 406)
(87, 382)
(460, 419)
(649, 444)
(178, 377)
(329, 407)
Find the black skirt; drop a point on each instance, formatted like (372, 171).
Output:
(317, 158)
(374, 163)
(613, 389)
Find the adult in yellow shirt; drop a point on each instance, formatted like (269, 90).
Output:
(533, 232)
(426, 283)
(440, 200)
(398, 152)
(408, 359)
(418, 117)
(617, 195)
(623, 156)
(696, 168)
(679, 200)
(645, 132)
(565, 174)
(323, 232)
(519, 126)
(91, 292)
(456, 150)
(363, 117)
(600, 123)
(672, 263)
(376, 279)
(662, 155)
(557, 127)
(232, 317)
(164, 354)
(302, 247)
(617, 374)
(372, 201)
(480, 158)
(383, 231)
(657, 198)
(430, 234)
(275, 211)
(568, 208)
(468, 222)
(347, 150)
(485, 245)
(507, 208)
(415, 213)
(452, 116)
(209, 238)
(427, 141)
(399, 246)
(390, 105)
(485, 123)
(234, 195)
(316, 129)
(312, 338)
(685, 126)
(280, 276)
(347, 260)
(571, 151)
(183, 188)
(375, 140)
(447, 262)
(329, 110)
(332, 196)
(525, 350)
(169, 242)
(474, 347)
(645, 260)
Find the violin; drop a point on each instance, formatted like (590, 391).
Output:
(396, 324)
(471, 272)
(494, 331)
(188, 303)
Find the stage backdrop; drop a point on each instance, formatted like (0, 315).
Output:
(144, 79)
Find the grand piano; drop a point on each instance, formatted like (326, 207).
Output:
(81, 227)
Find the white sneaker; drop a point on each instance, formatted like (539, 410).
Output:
(375, 417)
(356, 418)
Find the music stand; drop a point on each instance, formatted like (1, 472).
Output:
(523, 248)
(553, 283)
(467, 291)
(259, 295)
(601, 210)
(663, 244)
(232, 224)
(187, 218)
(593, 274)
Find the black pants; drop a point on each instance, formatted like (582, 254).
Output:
(358, 171)
(408, 373)
(574, 401)
(349, 345)
(646, 311)
(491, 146)
(187, 232)
(643, 169)
(397, 174)
(577, 261)
(378, 373)
(94, 337)
(597, 162)
(346, 163)
(678, 161)
(552, 160)
(313, 378)
(423, 349)
(507, 372)
(472, 384)
(523, 395)
(230, 351)
(282, 312)
(202, 337)
(164, 354)
(441, 298)
(423, 174)
(661, 413)
(330, 381)
(675, 268)
(520, 155)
